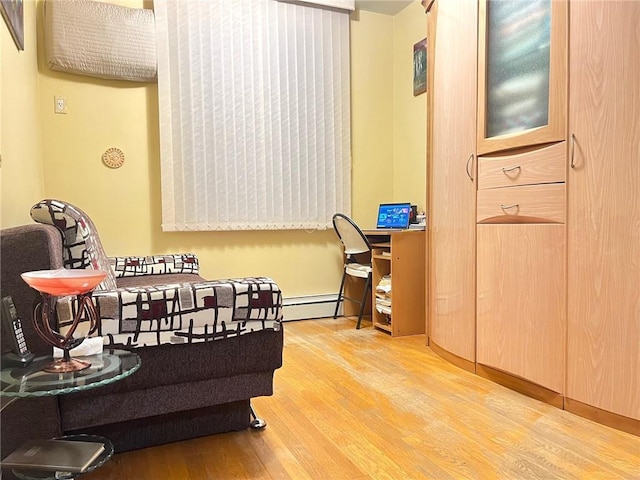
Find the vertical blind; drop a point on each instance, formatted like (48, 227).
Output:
(254, 111)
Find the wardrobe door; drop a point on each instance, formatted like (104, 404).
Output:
(522, 73)
(603, 358)
(521, 324)
(452, 174)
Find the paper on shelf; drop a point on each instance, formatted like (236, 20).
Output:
(90, 346)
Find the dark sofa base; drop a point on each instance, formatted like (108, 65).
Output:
(78, 412)
(184, 425)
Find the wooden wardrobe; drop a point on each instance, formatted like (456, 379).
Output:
(534, 214)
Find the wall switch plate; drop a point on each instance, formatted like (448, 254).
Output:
(60, 105)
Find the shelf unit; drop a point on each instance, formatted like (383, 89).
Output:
(402, 255)
(381, 262)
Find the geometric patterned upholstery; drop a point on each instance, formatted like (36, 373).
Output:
(173, 313)
(154, 265)
(82, 248)
(183, 313)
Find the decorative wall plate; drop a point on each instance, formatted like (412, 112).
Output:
(113, 157)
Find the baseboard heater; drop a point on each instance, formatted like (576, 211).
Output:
(309, 306)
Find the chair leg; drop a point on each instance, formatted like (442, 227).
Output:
(344, 278)
(367, 288)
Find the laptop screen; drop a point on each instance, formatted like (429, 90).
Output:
(393, 215)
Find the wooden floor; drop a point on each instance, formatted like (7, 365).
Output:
(354, 404)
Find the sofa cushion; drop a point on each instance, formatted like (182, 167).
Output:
(81, 243)
(135, 317)
(149, 280)
(183, 263)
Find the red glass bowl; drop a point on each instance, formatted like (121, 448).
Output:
(63, 282)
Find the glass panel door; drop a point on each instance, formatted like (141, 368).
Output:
(522, 72)
(518, 41)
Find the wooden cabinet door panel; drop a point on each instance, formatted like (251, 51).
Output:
(521, 301)
(603, 357)
(452, 191)
(408, 283)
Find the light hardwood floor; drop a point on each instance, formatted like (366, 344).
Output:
(352, 404)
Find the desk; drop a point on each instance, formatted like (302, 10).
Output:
(401, 254)
(32, 381)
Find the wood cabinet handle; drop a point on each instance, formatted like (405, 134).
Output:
(507, 207)
(511, 169)
(470, 171)
(573, 149)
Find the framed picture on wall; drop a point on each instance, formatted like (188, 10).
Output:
(13, 14)
(420, 67)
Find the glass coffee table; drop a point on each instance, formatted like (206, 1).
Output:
(31, 381)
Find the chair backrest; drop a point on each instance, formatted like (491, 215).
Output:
(352, 238)
(81, 244)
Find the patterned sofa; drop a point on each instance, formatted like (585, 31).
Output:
(207, 347)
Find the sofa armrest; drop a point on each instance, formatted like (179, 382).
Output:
(154, 265)
(23, 249)
(179, 313)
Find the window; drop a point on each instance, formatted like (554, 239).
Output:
(254, 114)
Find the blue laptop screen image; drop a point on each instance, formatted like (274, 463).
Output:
(393, 215)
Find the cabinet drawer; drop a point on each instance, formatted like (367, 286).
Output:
(528, 204)
(542, 165)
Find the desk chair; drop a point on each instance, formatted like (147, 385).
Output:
(355, 243)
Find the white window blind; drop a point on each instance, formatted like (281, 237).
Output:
(254, 114)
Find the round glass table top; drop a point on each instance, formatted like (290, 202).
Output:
(31, 381)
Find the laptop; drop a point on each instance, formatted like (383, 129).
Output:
(54, 455)
(391, 217)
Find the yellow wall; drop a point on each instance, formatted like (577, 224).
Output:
(371, 114)
(125, 203)
(410, 113)
(389, 124)
(21, 181)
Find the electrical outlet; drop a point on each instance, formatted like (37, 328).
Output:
(60, 105)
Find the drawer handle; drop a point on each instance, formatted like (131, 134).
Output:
(507, 170)
(509, 207)
(573, 149)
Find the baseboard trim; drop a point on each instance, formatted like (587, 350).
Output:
(533, 390)
(613, 420)
(521, 385)
(460, 362)
(307, 307)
